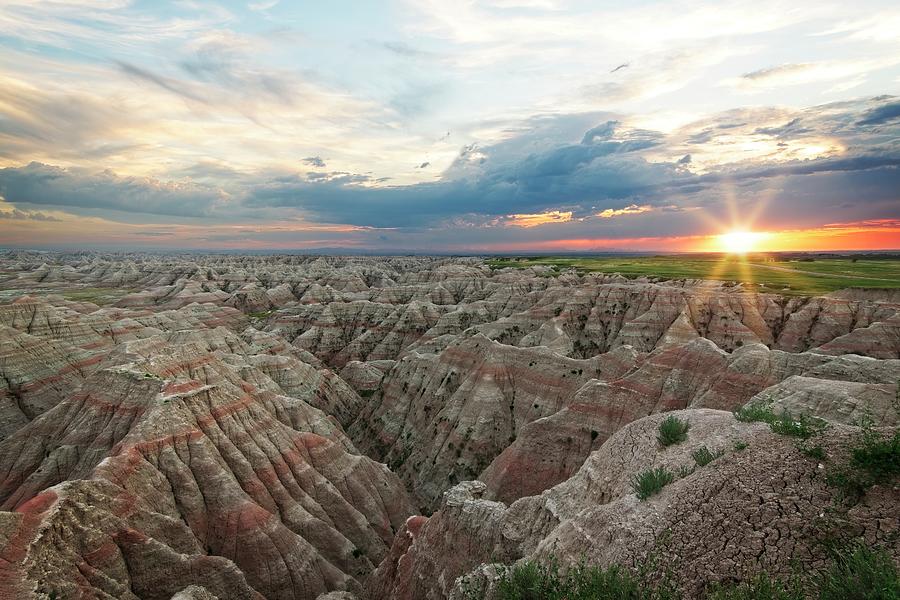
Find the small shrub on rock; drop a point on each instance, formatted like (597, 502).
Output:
(703, 456)
(672, 431)
(651, 481)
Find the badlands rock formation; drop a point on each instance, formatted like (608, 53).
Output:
(227, 426)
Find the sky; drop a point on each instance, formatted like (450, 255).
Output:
(466, 126)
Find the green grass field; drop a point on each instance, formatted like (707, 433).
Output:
(766, 273)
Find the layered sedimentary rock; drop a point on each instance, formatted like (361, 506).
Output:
(763, 507)
(268, 427)
(187, 457)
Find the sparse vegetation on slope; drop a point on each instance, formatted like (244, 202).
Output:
(857, 573)
(537, 581)
(874, 459)
(651, 481)
(801, 426)
(703, 456)
(760, 587)
(860, 573)
(672, 431)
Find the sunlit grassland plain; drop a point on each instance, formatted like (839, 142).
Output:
(794, 275)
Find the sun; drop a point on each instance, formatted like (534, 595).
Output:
(740, 241)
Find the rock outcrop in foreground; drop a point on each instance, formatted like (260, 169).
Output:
(197, 427)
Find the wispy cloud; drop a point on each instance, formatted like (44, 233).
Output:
(788, 74)
(632, 209)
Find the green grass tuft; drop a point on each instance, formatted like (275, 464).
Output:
(878, 456)
(651, 481)
(672, 431)
(703, 456)
(686, 471)
(760, 587)
(860, 573)
(814, 452)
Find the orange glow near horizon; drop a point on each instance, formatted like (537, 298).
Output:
(881, 234)
(61, 228)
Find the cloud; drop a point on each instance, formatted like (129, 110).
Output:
(777, 72)
(337, 177)
(632, 209)
(168, 84)
(791, 128)
(155, 233)
(314, 161)
(40, 184)
(406, 51)
(492, 181)
(79, 125)
(26, 215)
(533, 220)
(849, 73)
(881, 114)
(574, 171)
(263, 5)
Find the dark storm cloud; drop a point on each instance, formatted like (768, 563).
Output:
(808, 167)
(603, 165)
(40, 184)
(881, 114)
(493, 181)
